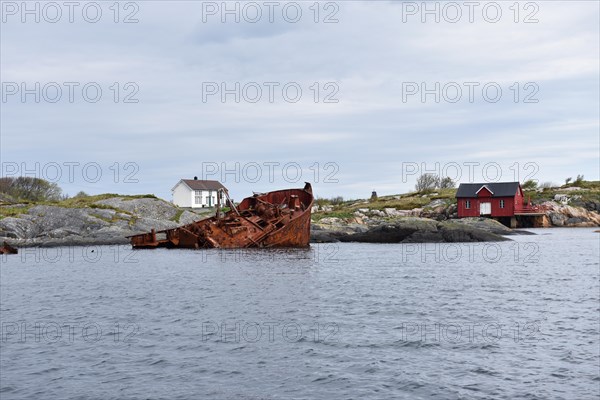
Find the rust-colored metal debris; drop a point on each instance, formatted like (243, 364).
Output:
(275, 219)
(8, 249)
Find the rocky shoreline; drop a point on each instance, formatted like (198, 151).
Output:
(105, 222)
(109, 222)
(412, 230)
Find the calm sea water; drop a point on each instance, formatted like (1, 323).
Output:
(502, 320)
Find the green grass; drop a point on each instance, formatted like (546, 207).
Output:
(592, 192)
(406, 201)
(584, 185)
(88, 201)
(111, 220)
(74, 202)
(13, 211)
(177, 216)
(332, 214)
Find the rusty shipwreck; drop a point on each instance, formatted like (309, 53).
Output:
(275, 219)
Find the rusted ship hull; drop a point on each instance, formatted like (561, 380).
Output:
(275, 219)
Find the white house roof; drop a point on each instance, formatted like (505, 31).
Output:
(196, 184)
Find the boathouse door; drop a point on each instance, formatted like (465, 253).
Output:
(485, 208)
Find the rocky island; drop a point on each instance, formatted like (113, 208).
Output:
(409, 218)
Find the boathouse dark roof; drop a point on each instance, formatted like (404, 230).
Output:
(499, 189)
(196, 184)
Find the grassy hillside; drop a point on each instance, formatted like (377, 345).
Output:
(406, 201)
(590, 192)
(11, 207)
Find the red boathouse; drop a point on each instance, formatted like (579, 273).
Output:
(503, 201)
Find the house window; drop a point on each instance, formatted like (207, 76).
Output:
(197, 196)
(467, 204)
(501, 203)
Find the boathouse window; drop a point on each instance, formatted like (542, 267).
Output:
(198, 196)
(501, 203)
(467, 204)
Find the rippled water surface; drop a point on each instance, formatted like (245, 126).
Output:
(509, 320)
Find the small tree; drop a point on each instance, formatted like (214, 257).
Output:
(427, 182)
(569, 179)
(529, 185)
(337, 200)
(32, 189)
(548, 185)
(322, 201)
(81, 194)
(6, 185)
(447, 183)
(579, 180)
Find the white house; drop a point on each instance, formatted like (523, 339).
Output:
(195, 193)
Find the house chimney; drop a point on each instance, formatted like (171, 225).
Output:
(195, 178)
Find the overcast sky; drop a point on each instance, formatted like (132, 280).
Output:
(359, 124)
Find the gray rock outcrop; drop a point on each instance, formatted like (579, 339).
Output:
(568, 215)
(104, 222)
(407, 230)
